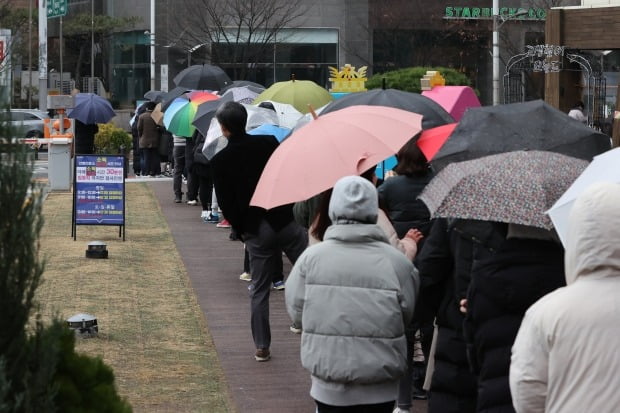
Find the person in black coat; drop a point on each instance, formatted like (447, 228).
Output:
(445, 264)
(236, 171)
(528, 265)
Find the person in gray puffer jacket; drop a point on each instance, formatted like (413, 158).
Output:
(353, 294)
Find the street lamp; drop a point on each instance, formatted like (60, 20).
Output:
(152, 35)
(192, 50)
(496, 27)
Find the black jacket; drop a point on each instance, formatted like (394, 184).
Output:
(502, 288)
(236, 171)
(445, 264)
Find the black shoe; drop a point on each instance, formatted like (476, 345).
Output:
(177, 200)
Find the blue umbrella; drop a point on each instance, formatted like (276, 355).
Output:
(90, 109)
(266, 129)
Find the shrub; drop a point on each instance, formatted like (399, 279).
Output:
(408, 79)
(110, 138)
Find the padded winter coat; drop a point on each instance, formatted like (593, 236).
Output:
(353, 294)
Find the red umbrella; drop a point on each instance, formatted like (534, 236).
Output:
(431, 140)
(345, 142)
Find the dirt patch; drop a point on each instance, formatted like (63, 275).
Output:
(151, 329)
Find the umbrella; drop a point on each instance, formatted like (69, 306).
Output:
(519, 126)
(603, 168)
(90, 109)
(205, 112)
(454, 99)
(258, 116)
(433, 114)
(431, 140)
(514, 187)
(243, 94)
(267, 129)
(241, 83)
(202, 77)
(158, 115)
(154, 95)
(287, 114)
(179, 116)
(346, 142)
(168, 97)
(201, 96)
(298, 93)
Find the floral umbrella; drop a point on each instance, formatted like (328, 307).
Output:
(513, 187)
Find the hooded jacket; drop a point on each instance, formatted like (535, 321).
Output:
(564, 358)
(353, 294)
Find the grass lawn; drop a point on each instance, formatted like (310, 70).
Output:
(151, 329)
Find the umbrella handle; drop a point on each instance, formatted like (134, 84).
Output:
(314, 115)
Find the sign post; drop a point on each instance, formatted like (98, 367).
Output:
(56, 8)
(99, 192)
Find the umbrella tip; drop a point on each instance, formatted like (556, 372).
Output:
(312, 112)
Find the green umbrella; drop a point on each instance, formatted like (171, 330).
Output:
(298, 93)
(179, 116)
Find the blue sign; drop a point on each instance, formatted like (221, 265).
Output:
(99, 190)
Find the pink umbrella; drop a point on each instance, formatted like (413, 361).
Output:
(454, 99)
(345, 142)
(431, 140)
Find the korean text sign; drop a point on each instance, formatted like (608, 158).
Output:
(99, 190)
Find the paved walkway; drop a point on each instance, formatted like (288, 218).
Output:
(213, 264)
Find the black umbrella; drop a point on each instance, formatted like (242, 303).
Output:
(154, 95)
(202, 77)
(241, 83)
(432, 113)
(168, 97)
(533, 125)
(206, 111)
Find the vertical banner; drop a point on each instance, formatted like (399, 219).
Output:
(99, 191)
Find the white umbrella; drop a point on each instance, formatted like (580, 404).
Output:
(603, 168)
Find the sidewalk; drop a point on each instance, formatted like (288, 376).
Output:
(213, 264)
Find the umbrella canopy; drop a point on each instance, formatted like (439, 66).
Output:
(433, 114)
(205, 112)
(168, 97)
(241, 83)
(201, 96)
(519, 126)
(259, 116)
(346, 142)
(287, 114)
(179, 116)
(202, 77)
(267, 129)
(158, 115)
(298, 93)
(91, 109)
(454, 99)
(154, 95)
(431, 140)
(513, 187)
(243, 94)
(604, 168)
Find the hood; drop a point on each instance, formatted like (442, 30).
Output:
(593, 238)
(354, 201)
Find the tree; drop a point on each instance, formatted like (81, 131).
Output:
(78, 30)
(408, 79)
(40, 372)
(241, 33)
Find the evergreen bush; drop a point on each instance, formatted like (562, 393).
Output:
(40, 372)
(110, 138)
(408, 79)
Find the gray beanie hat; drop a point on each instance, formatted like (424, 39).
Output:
(354, 200)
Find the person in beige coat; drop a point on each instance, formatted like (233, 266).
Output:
(565, 356)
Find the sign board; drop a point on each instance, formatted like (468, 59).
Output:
(99, 191)
(56, 8)
(485, 13)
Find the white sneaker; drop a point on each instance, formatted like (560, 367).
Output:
(399, 410)
(192, 202)
(245, 276)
